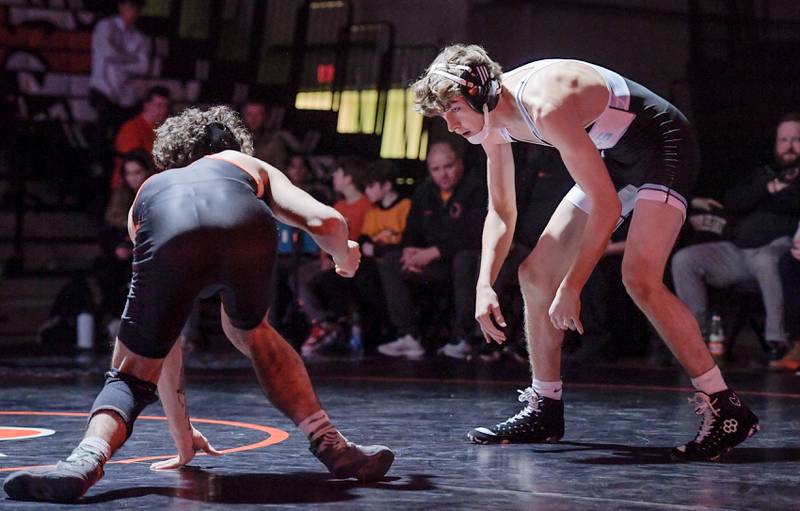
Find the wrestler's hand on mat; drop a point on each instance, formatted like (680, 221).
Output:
(487, 312)
(187, 451)
(565, 311)
(347, 266)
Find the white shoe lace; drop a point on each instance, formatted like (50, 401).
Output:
(528, 396)
(704, 406)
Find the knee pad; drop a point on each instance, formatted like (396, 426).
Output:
(126, 396)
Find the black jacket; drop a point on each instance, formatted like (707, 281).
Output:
(450, 226)
(762, 217)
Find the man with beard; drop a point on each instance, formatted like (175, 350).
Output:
(767, 203)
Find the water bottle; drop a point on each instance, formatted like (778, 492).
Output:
(716, 337)
(356, 342)
(85, 330)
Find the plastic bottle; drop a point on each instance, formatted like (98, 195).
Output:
(85, 330)
(356, 342)
(716, 337)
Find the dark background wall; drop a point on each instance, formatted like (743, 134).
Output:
(730, 65)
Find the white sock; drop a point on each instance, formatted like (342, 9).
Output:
(316, 425)
(95, 445)
(551, 389)
(710, 382)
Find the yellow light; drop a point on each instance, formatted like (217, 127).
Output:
(347, 122)
(402, 135)
(317, 100)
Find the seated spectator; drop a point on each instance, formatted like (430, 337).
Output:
(790, 277)
(271, 143)
(139, 132)
(440, 249)
(103, 292)
(318, 293)
(382, 231)
(768, 206)
(114, 274)
(299, 173)
(613, 326)
(541, 182)
(295, 248)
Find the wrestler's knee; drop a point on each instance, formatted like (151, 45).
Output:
(641, 285)
(125, 396)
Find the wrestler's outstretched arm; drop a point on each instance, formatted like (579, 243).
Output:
(172, 392)
(297, 208)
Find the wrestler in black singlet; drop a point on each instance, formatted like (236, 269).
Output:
(646, 142)
(201, 228)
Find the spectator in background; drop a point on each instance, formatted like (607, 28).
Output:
(382, 231)
(540, 180)
(295, 249)
(613, 325)
(114, 274)
(441, 248)
(768, 205)
(272, 143)
(299, 173)
(119, 52)
(790, 276)
(103, 292)
(139, 132)
(315, 278)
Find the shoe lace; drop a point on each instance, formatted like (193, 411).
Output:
(531, 398)
(705, 407)
(333, 440)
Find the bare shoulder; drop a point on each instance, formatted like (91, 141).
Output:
(239, 159)
(259, 170)
(557, 82)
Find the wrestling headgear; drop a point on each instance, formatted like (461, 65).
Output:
(220, 138)
(477, 84)
(479, 88)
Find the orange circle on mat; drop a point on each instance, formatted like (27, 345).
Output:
(275, 435)
(12, 433)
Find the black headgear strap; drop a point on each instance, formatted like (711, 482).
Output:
(476, 82)
(220, 138)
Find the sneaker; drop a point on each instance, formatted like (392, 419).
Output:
(776, 350)
(541, 421)
(407, 346)
(789, 362)
(345, 459)
(459, 350)
(66, 482)
(321, 332)
(726, 423)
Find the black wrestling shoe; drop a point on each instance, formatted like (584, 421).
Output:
(66, 482)
(541, 421)
(726, 423)
(345, 459)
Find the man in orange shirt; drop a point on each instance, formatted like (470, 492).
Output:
(139, 132)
